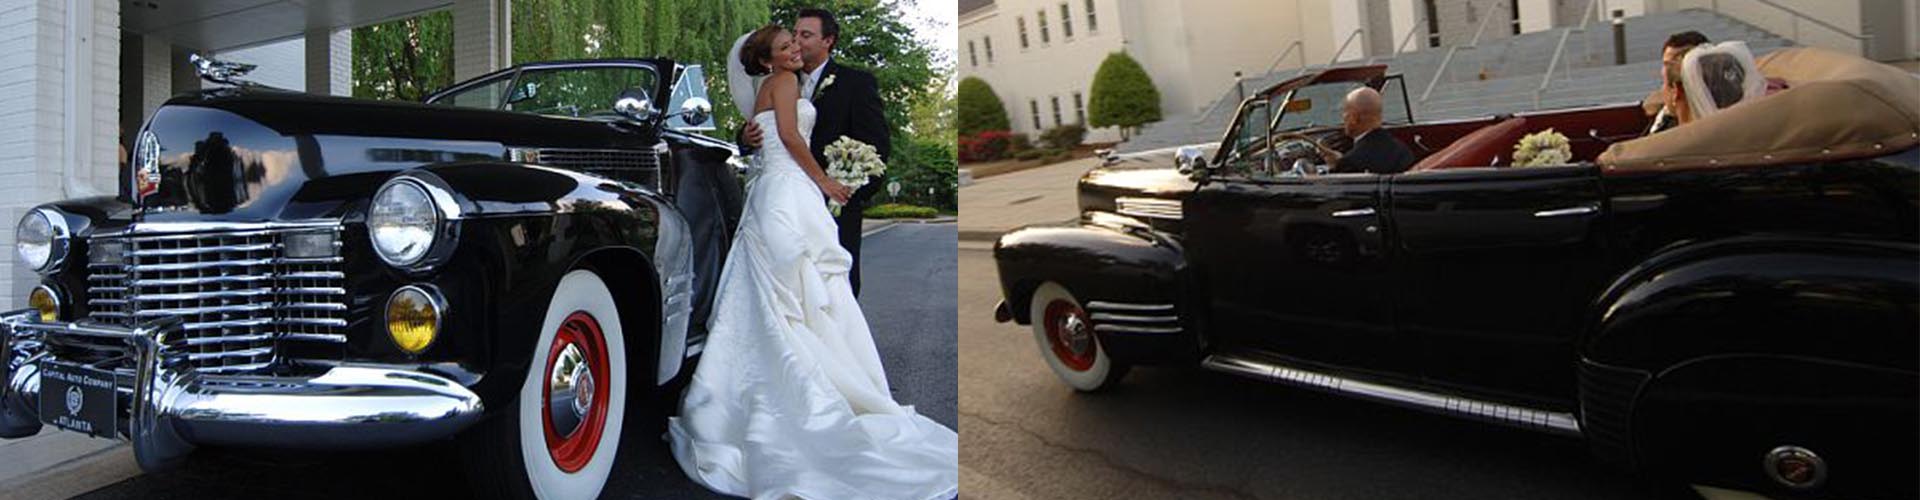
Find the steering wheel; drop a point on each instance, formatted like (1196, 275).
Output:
(1291, 147)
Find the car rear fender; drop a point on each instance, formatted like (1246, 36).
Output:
(1115, 266)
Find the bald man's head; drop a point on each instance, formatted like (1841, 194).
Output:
(1362, 111)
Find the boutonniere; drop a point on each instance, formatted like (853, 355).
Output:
(828, 82)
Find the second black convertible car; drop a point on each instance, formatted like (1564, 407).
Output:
(1735, 302)
(523, 262)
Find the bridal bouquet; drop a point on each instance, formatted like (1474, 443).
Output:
(851, 162)
(1545, 147)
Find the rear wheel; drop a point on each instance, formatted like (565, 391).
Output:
(561, 435)
(1064, 333)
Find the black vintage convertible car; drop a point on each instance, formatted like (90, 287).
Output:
(523, 262)
(1735, 302)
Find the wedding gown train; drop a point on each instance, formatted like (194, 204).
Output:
(789, 400)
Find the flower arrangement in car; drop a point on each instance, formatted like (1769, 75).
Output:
(1546, 147)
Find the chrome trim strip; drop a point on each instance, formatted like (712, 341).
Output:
(1135, 329)
(238, 353)
(1517, 416)
(197, 266)
(314, 321)
(1128, 306)
(1357, 212)
(182, 311)
(240, 293)
(170, 230)
(236, 323)
(1154, 208)
(1102, 316)
(1563, 212)
(199, 281)
(199, 341)
(331, 338)
(167, 252)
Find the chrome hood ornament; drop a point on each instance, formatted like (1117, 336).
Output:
(222, 72)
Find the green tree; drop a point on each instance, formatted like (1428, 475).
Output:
(934, 114)
(980, 108)
(1122, 95)
(404, 59)
(687, 31)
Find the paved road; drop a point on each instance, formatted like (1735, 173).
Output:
(1186, 433)
(909, 271)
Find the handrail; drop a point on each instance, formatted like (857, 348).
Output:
(1402, 47)
(1343, 45)
(1796, 16)
(1448, 60)
(1547, 78)
(1283, 56)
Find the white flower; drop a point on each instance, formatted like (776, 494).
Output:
(1545, 147)
(824, 84)
(851, 162)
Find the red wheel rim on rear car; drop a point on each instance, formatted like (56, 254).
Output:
(571, 452)
(1071, 335)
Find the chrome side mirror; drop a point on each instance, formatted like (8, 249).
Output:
(1189, 159)
(635, 108)
(695, 111)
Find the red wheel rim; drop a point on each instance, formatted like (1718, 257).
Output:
(1071, 335)
(573, 451)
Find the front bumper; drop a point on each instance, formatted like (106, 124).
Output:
(174, 408)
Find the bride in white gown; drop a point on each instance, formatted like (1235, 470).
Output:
(789, 400)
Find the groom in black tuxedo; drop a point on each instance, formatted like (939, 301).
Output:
(847, 101)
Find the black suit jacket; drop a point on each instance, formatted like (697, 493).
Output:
(850, 107)
(1376, 152)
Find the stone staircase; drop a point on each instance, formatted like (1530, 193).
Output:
(1501, 76)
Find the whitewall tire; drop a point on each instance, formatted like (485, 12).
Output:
(1064, 333)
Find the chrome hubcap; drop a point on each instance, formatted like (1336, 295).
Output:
(1079, 339)
(570, 390)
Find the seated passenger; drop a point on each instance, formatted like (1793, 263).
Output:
(1719, 76)
(1373, 151)
(1671, 52)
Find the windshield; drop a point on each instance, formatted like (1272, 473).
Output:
(573, 91)
(1320, 105)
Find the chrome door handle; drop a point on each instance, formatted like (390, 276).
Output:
(1566, 212)
(1357, 212)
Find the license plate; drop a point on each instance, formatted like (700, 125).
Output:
(79, 399)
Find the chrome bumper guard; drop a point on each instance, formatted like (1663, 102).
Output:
(175, 408)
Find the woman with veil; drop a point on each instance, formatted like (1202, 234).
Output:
(790, 400)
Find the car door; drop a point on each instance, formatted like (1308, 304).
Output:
(1495, 270)
(1297, 266)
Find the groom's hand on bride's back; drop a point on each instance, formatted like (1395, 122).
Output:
(750, 137)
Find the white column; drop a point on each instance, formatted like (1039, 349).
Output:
(1406, 16)
(61, 59)
(482, 37)
(1538, 15)
(329, 62)
(156, 76)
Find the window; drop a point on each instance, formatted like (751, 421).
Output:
(973, 58)
(576, 91)
(1080, 108)
(1093, 24)
(1056, 111)
(988, 42)
(1034, 106)
(1041, 19)
(1515, 10)
(1066, 22)
(1023, 30)
(1433, 24)
(480, 96)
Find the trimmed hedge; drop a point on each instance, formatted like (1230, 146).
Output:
(1122, 95)
(900, 211)
(980, 109)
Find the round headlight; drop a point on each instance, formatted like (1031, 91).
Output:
(41, 239)
(413, 318)
(402, 223)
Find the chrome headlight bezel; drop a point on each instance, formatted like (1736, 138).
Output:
(425, 242)
(59, 238)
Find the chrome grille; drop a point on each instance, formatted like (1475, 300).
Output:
(641, 167)
(1152, 208)
(239, 297)
(1127, 317)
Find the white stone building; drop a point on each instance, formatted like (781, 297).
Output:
(78, 77)
(1036, 53)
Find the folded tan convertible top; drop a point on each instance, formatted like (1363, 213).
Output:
(1836, 107)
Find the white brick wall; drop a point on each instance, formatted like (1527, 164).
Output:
(34, 97)
(156, 76)
(329, 62)
(480, 40)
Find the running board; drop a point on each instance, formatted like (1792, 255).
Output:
(1526, 418)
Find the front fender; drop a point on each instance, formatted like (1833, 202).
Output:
(1119, 269)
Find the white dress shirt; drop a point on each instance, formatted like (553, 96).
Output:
(813, 79)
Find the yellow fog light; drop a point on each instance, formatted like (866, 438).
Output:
(413, 318)
(44, 300)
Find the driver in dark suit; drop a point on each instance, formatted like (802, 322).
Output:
(1373, 151)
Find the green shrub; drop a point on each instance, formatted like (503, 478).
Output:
(1058, 155)
(900, 211)
(1018, 142)
(927, 171)
(1122, 95)
(980, 109)
(1031, 154)
(1064, 137)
